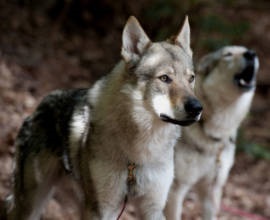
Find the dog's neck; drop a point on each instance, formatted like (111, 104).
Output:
(222, 120)
(126, 121)
(219, 123)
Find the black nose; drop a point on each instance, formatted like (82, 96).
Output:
(193, 107)
(250, 55)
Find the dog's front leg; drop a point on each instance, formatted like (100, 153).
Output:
(151, 208)
(210, 190)
(104, 212)
(174, 206)
(210, 196)
(90, 214)
(106, 208)
(104, 189)
(152, 203)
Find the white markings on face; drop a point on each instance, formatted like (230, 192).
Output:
(162, 105)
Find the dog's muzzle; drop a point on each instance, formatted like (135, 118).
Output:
(193, 109)
(246, 79)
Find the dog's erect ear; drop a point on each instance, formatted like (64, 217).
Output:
(134, 40)
(183, 37)
(207, 63)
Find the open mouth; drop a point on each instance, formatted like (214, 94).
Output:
(246, 79)
(177, 122)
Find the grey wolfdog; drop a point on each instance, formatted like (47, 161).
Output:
(117, 137)
(225, 85)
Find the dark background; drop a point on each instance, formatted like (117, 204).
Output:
(46, 45)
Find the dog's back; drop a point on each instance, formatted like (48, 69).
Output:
(50, 122)
(42, 147)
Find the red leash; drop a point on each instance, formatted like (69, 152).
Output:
(239, 212)
(233, 211)
(131, 180)
(123, 208)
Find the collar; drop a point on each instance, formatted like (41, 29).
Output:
(131, 177)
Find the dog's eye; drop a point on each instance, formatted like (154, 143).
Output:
(165, 78)
(229, 54)
(191, 78)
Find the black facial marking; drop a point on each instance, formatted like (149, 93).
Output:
(177, 122)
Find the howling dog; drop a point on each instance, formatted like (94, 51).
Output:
(117, 138)
(225, 85)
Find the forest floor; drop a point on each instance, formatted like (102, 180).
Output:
(36, 56)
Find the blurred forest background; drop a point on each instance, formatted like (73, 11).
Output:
(46, 45)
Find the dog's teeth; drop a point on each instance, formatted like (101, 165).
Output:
(242, 82)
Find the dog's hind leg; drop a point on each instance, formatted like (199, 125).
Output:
(174, 206)
(34, 185)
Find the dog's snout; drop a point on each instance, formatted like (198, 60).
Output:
(249, 55)
(193, 106)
